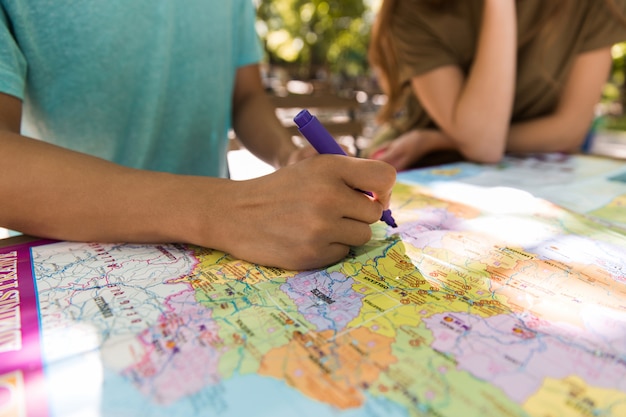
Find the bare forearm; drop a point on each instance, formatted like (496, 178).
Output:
(485, 105)
(304, 216)
(547, 134)
(52, 192)
(566, 128)
(562, 130)
(475, 110)
(261, 132)
(255, 121)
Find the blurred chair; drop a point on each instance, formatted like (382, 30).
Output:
(337, 114)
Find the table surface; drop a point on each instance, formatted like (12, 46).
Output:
(486, 301)
(16, 240)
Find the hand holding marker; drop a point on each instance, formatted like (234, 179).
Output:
(324, 143)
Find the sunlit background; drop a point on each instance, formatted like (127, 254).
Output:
(326, 41)
(319, 47)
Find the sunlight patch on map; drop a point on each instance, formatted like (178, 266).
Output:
(507, 212)
(83, 376)
(607, 325)
(84, 338)
(525, 232)
(490, 200)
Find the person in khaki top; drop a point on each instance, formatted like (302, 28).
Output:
(487, 77)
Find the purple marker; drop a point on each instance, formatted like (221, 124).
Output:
(324, 143)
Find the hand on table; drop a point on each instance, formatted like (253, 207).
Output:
(308, 214)
(404, 151)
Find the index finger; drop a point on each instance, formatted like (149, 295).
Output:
(376, 177)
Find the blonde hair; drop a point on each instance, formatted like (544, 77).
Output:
(384, 61)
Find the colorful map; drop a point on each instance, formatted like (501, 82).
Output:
(585, 184)
(486, 301)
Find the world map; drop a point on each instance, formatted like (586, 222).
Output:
(485, 301)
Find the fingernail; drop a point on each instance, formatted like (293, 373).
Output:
(378, 154)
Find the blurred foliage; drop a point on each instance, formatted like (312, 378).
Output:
(611, 115)
(309, 36)
(313, 35)
(615, 90)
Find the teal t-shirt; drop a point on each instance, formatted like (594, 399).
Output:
(144, 83)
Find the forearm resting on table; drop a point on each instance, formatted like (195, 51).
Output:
(567, 127)
(303, 216)
(56, 193)
(474, 110)
(485, 102)
(548, 134)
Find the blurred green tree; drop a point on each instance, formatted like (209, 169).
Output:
(309, 36)
(312, 35)
(615, 90)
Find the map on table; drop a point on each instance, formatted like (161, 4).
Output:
(485, 301)
(585, 184)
